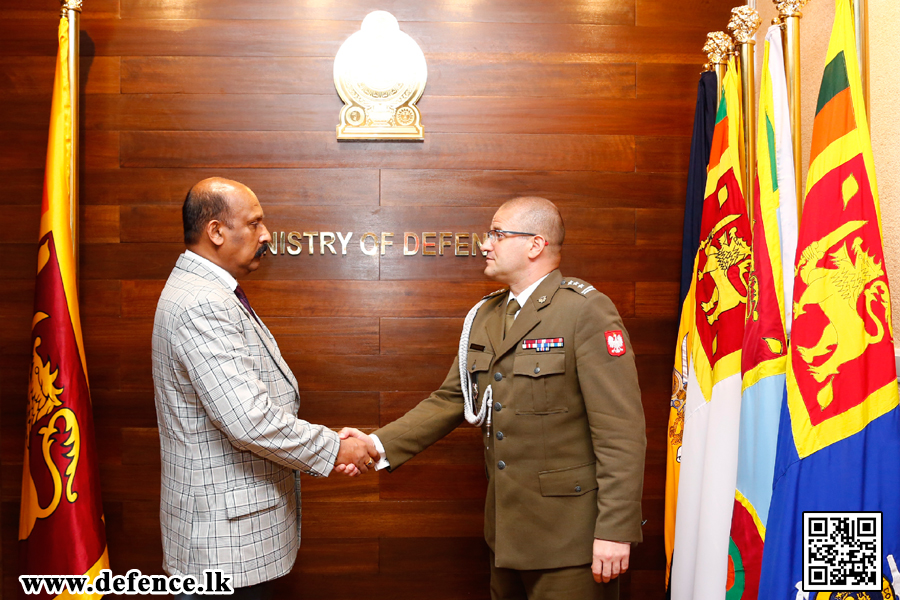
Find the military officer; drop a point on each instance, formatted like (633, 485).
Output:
(549, 375)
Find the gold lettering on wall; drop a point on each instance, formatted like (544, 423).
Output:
(431, 243)
(406, 237)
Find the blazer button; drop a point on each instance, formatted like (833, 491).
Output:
(497, 406)
(577, 488)
(499, 435)
(497, 376)
(537, 370)
(501, 465)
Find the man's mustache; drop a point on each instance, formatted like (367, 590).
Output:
(262, 251)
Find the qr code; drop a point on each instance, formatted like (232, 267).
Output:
(841, 551)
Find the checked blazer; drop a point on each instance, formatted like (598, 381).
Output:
(232, 446)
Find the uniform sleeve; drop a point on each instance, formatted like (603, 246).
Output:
(430, 420)
(211, 345)
(612, 397)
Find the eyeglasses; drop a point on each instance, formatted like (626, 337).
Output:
(495, 235)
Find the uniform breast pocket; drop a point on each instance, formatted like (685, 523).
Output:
(540, 377)
(478, 364)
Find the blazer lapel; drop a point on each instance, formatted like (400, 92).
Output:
(269, 343)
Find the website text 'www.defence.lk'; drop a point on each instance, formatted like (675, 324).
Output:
(213, 583)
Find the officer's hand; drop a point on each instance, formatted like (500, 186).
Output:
(610, 560)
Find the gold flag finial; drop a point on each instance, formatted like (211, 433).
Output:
(789, 8)
(68, 5)
(718, 47)
(744, 23)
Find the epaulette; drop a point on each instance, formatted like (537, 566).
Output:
(492, 294)
(577, 285)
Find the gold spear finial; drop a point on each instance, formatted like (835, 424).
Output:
(71, 5)
(744, 23)
(789, 8)
(718, 47)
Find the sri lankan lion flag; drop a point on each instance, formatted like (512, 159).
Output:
(61, 529)
(712, 404)
(839, 436)
(764, 353)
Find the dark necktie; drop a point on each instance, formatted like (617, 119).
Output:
(243, 298)
(511, 309)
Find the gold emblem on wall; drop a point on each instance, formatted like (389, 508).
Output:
(380, 74)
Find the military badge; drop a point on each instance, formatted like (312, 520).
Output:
(615, 342)
(542, 345)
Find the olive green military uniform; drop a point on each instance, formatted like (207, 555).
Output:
(564, 454)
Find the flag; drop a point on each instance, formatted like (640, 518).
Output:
(701, 142)
(764, 351)
(675, 430)
(839, 435)
(61, 528)
(704, 123)
(712, 405)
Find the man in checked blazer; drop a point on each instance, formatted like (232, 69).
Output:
(563, 438)
(232, 445)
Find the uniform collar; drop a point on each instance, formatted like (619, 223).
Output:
(522, 298)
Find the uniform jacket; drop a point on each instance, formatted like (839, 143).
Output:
(564, 455)
(230, 441)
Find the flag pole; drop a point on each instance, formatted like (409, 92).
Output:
(789, 12)
(743, 25)
(718, 47)
(71, 10)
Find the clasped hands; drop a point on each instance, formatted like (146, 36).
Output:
(357, 453)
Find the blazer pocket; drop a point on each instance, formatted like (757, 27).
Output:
(571, 481)
(540, 377)
(249, 499)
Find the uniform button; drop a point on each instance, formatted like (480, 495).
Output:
(497, 376)
(497, 406)
(537, 370)
(499, 435)
(501, 465)
(577, 488)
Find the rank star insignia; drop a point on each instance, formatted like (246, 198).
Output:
(542, 299)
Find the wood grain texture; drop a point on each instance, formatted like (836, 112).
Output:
(440, 150)
(589, 104)
(533, 11)
(306, 112)
(453, 74)
(33, 75)
(322, 38)
(160, 187)
(439, 187)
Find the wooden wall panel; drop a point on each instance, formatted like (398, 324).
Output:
(448, 75)
(439, 150)
(589, 104)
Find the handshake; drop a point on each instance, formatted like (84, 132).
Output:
(357, 453)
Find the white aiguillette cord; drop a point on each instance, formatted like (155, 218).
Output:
(465, 378)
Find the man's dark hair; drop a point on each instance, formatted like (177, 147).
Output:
(204, 203)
